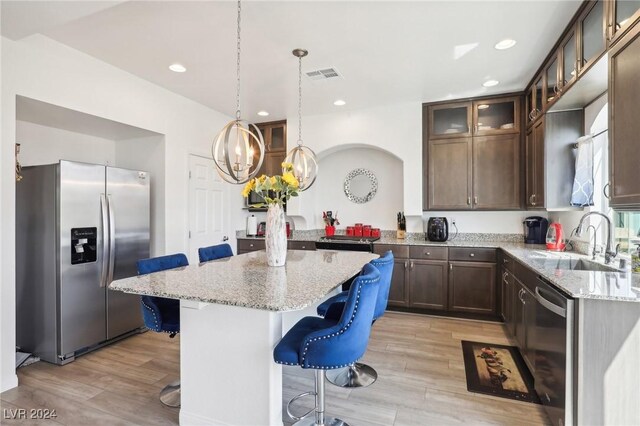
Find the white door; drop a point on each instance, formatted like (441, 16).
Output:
(208, 204)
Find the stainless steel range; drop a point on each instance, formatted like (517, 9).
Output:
(346, 243)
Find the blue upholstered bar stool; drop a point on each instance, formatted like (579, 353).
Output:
(335, 341)
(214, 252)
(163, 315)
(361, 375)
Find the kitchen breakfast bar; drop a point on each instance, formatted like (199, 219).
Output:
(233, 312)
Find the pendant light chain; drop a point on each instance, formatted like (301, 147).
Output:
(238, 149)
(238, 65)
(303, 159)
(300, 101)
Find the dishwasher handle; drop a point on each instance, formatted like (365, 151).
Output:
(558, 310)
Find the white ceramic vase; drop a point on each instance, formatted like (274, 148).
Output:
(276, 236)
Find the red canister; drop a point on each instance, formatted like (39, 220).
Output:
(350, 230)
(366, 231)
(375, 232)
(357, 230)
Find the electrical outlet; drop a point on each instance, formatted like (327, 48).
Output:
(453, 220)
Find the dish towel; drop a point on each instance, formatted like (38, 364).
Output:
(582, 194)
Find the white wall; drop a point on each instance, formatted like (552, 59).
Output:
(328, 194)
(47, 145)
(395, 129)
(41, 69)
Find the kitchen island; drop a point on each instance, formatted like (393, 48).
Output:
(233, 312)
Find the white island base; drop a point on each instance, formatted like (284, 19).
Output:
(227, 372)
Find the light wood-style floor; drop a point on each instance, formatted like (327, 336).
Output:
(418, 359)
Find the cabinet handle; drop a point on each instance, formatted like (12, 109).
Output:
(406, 264)
(251, 245)
(533, 199)
(468, 201)
(428, 253)
(411, 265)
(604, 191)
(475, 128)
(472, 255)
(451, 266)
(504, 278)
(505, 260)
(555, 89)
(475, 200)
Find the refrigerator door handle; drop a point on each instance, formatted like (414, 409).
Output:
(105, 242)
(112, 239)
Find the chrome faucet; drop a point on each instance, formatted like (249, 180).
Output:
(609, 254)
(595, 241)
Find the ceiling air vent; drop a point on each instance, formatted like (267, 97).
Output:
(323, 74)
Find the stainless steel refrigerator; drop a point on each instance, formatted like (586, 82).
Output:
(78, 227)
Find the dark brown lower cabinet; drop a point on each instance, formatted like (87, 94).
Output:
(524, 314)
(507, 283)
(472, 287)
(428, 284)
(398, 295)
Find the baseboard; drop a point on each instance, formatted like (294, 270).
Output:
(9, 382)
(189, 419)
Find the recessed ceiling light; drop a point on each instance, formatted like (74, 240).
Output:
(490, 83)
(263, 113)
(505, 44)
(483, 106)
(339, 102)
(177, 68)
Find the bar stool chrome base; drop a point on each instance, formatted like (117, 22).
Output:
(170, 395)
(355, 376)
(318, 419)
(328, 421)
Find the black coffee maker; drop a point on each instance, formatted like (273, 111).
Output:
(535, 230)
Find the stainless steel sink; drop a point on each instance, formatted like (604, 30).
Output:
(580, 265)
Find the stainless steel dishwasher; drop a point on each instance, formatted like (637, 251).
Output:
(554, 343)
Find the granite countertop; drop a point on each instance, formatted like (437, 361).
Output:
(246, 280)
(613, 286)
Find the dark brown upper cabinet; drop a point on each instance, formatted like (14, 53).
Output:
(449, 186)
(451, 120)
(624, 126)
(496, 116)
(569, 60)
(535, 100)
(478, 171)
(593, 35)
(622, 15)
(496, 172)
(552, 83)
(275, 135)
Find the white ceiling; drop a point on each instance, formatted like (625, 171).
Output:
(387, 51)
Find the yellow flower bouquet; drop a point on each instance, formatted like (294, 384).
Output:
(274, 189)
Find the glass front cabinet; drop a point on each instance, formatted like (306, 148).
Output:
(593, 43)
(450, 120)
(496, 116)
(622, 15)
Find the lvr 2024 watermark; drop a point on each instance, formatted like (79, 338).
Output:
(23, 414)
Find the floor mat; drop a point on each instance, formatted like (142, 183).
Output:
(497, 370)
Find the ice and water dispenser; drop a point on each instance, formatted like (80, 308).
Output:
(83, 245)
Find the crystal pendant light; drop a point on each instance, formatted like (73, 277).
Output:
(238, 150)
(305, 165)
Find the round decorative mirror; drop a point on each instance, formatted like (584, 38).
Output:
(360, 186)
